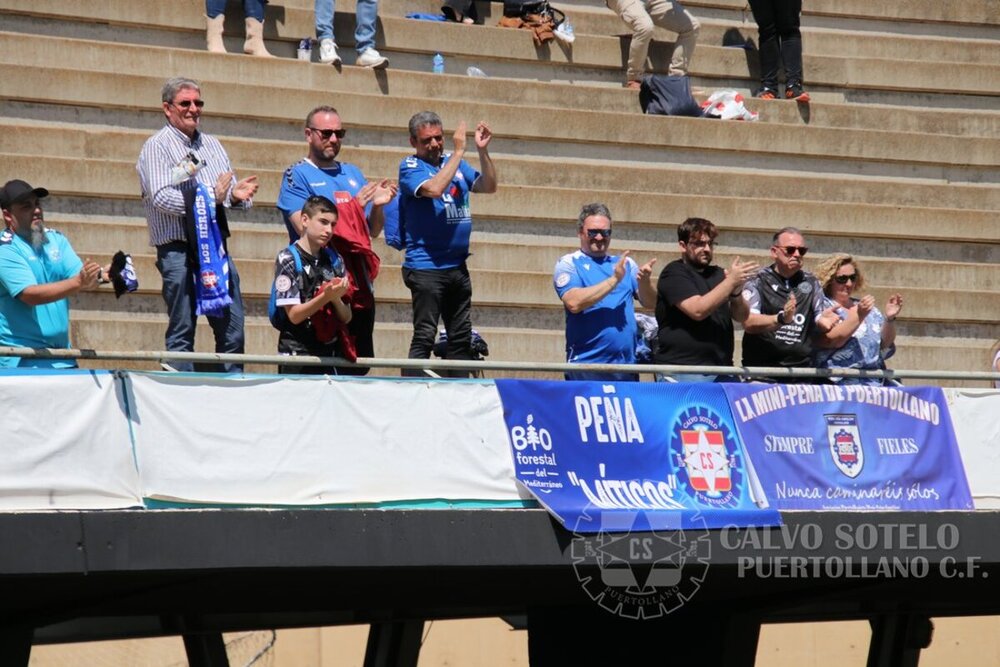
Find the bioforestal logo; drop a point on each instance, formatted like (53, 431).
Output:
(638, 574)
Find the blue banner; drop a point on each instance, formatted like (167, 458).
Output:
(817, 447)
(606, 457)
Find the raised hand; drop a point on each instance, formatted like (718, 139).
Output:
(459, 137)
(865, 305)
(366, 194)
(646, 270)
(789, 309)
(334, 289)
(222, 185)
(483, 135)
(893, 306)
(244, 190)
(385, 190)
(621, 266)
(87, 277)
(740, 272)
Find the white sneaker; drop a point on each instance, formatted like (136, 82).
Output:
(328, 52)
(371, 58)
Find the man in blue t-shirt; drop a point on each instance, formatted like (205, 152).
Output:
(38, 271)
(436, 222)
(598, 291)
(321, 174)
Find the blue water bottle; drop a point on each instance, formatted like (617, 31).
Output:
(438, 64)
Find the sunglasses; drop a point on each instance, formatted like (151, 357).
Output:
(185, 104)
(594, 233)
(326, 134)
(843, 279)
(791, 250)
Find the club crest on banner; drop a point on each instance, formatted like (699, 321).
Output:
(705, 453)
(845, 443)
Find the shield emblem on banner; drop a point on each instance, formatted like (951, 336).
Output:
(845, 444)
(706, 460)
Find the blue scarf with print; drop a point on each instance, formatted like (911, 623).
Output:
(211, 281)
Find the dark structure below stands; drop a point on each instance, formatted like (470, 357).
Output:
(89, 575)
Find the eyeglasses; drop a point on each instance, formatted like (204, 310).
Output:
(843, 279)
(700, 244)
(594, 233)
(326, 134)
(792, 249)
(185, 104)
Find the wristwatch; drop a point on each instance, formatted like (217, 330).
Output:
(781, 317)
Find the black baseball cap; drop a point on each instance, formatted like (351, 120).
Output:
(16, 190)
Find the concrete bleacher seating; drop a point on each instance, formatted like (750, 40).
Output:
(895, 160)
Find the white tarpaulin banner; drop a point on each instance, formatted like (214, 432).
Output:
(66, 443)
(975, 414)
(313, 441)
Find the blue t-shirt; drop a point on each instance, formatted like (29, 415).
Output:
(304, 179)
(41, 326)
(604, 333)
(436, 231)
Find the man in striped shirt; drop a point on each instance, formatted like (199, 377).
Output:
(165, 169)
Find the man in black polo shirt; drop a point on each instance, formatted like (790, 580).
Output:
(696, 303)
(786, 308)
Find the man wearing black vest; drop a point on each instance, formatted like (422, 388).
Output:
(786, 309)
(696, 303)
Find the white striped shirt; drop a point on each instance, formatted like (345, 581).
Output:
(164, 202)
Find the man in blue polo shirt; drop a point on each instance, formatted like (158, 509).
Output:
(598, 291)
(320, 173)
(436, 222)
(38, 271)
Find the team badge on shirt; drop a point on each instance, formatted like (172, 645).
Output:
(282, 283)
(562, 280)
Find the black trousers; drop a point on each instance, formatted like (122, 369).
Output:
(780, 40)
(444, 294)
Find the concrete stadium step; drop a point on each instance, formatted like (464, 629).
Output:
(269, 158)
(524, 287)
(532, 252)
(594, 58)
(98, 178)
(973, 12)
(39, 51)
(106, 331)
(736, 27)
(676, 140)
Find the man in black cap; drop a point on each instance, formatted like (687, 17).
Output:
(38, 272)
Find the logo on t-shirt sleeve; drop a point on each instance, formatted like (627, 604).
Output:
(562, 280)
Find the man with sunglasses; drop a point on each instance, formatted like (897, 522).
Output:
(435, 219)
(786, 308)
(697, 303)
(598, 291)
(179, 165)
(360, 214)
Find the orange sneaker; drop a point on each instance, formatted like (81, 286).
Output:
(795, 92)
(767, 94)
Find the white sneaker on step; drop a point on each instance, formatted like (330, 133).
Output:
(328, 52)
(372, 58)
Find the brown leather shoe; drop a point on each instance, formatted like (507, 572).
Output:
(633, 85)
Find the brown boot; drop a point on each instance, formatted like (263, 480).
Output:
(213, 34)
(254, 44)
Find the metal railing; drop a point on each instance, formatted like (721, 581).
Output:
(777, 373)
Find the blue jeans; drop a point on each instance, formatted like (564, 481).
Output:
(179, 295)
(364, 28)
(252, 9)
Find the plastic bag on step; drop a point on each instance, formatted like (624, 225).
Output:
(727, 105)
